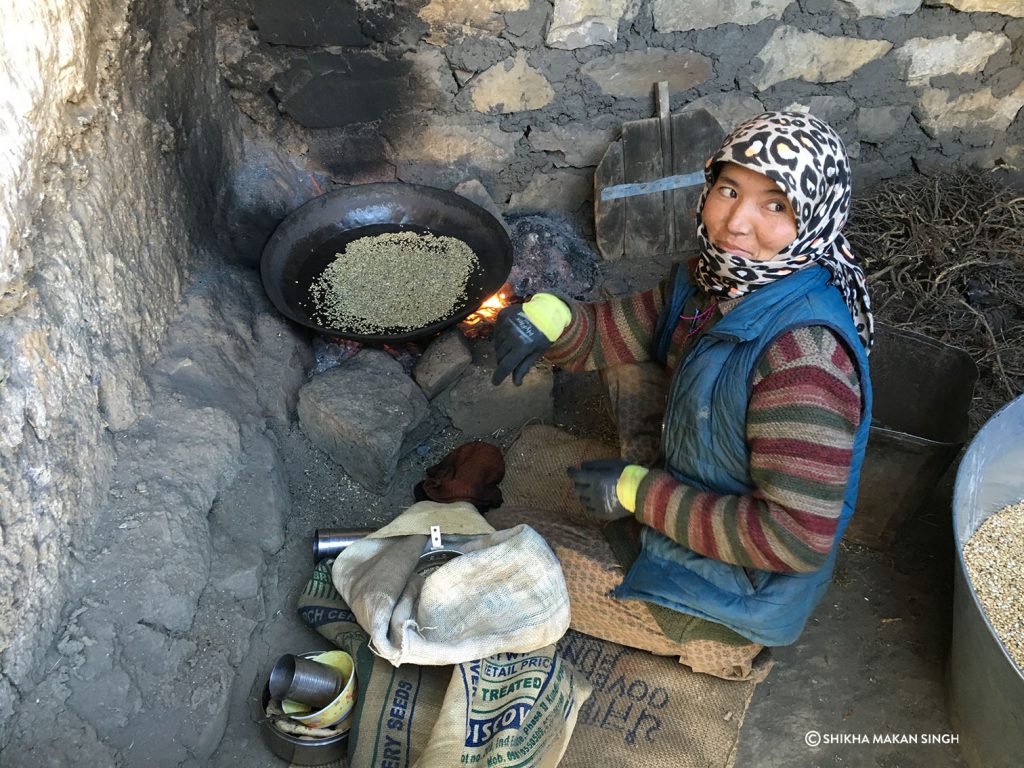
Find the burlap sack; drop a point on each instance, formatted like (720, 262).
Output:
(508, 709)
(505, 594)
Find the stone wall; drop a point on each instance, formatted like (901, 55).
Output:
(526, 94)
(111, 146)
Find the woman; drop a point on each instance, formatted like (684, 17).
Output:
(765, 336)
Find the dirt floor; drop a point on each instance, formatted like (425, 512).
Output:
(865, 685)
(872, 660)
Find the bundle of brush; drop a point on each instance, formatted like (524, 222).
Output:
(944, 257)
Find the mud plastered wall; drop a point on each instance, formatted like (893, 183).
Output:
(110, 126)
(526, 94)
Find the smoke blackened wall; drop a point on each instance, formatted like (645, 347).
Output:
(526, 94)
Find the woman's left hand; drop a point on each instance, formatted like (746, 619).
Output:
(595, 485)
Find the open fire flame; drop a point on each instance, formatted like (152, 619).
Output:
(488, 311)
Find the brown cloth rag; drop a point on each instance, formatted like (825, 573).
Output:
(470, 473)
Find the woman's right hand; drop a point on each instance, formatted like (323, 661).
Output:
(523, 332)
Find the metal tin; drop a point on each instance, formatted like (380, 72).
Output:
(300, 751)
(330, 542)
(986, 688)
(431, 560)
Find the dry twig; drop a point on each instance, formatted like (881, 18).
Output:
(935, 246)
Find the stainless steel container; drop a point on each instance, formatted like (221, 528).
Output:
(298, 751)
(330, 542)
(986, 689)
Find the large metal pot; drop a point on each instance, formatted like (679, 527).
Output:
(986, 689)
(307, 240)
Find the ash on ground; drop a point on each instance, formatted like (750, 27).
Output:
(550, 254)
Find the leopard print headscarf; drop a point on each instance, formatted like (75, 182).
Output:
(807, 160)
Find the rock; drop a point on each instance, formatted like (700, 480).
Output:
(442, 363)
(876, 124)
(309, 23)
(579, 144)
(793, 54)
(633, 74)
(450, 20)
(673, 16)
(883, 8)
(561, 189)
(925, 58)
(579, 23)
(1005, 7)
(360, 413)
(511, 86)
(834, 110)
(284, 357)
(940, 112)
(441, 151)
(526, 28)
(729, 109)
(324, 89)
(435, 82)
(474, 190)
(478, 408)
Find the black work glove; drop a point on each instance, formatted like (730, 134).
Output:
(518, 344)
(595, 485)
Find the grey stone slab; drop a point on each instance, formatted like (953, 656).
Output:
(309, 22)
(633, 74)
(478, 408)
(442, 363)
(330, 90)
(360, 413)
(876, 124)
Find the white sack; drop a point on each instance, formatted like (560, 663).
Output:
(506, 594)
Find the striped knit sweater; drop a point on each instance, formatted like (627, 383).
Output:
(802, 416)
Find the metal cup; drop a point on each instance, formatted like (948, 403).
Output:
(305, 681)
(330, 542)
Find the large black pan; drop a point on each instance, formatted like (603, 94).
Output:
(307, 240)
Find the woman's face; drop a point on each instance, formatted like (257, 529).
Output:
(746, 214)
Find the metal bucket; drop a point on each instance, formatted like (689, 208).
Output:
(919, 421)
(986, 689)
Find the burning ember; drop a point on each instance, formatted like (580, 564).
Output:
(478, 325)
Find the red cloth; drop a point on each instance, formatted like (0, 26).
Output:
(470, 473)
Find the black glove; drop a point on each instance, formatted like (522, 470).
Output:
(595, 485)
(517, 344)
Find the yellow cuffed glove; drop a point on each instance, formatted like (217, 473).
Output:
(549, 313)
(629, 484)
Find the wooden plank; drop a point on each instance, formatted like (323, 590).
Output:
(645, 214)
(696, 135)
(609, 215)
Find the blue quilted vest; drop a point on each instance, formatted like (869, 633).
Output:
(704, 443)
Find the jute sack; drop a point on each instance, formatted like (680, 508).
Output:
(509, 709)
(505, 594)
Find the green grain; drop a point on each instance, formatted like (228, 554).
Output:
(398, 281)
